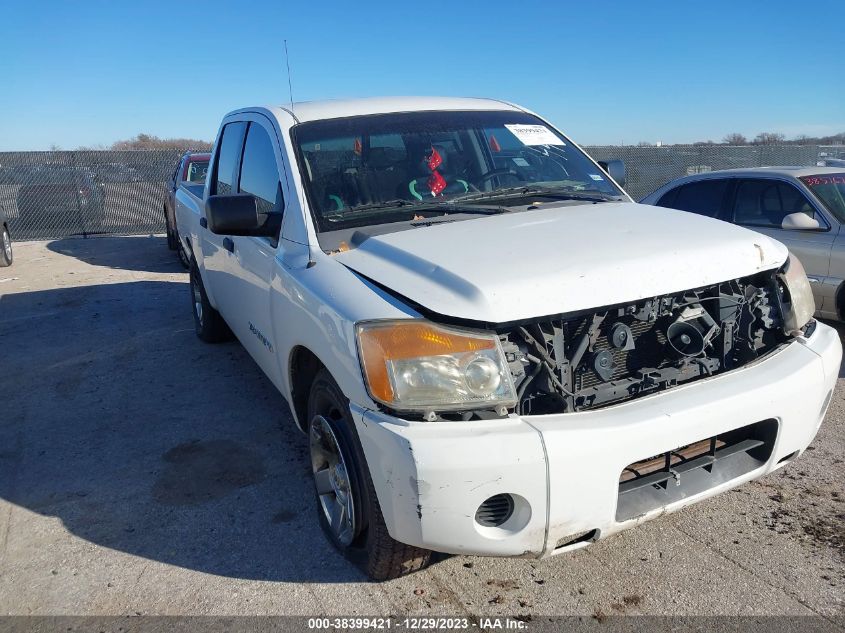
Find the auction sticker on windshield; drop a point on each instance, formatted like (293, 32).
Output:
(534, 134)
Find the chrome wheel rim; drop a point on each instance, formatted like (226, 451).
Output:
(331, 478)
(7, 245)
(195, 290)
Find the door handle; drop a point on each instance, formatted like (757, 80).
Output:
(204, 223)
(228, 244)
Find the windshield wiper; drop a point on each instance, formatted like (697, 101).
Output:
(444, 206)
(449, 206)
(387, 204)
(538, 191)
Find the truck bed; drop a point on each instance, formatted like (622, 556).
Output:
(188, 209)
(195, 188)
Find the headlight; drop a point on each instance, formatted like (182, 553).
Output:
(420, 366)
(798, 301)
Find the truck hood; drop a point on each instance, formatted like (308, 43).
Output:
(558, 259)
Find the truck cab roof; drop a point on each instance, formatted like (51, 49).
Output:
(304, 111)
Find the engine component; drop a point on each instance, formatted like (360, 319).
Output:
(692, 331)
(621, 337)
(603, 364)
(614, 353)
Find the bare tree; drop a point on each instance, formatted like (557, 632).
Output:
(148, 141)
(735, 138)
(769, 138)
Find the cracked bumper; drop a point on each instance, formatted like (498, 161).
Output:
(430, 478)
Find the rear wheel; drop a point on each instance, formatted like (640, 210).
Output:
(184, 258)
(208, 324)
(348, 508)
(5, 247)
(172, 239)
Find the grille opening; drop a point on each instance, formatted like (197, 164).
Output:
(663, 479)
(600, 357)
(495, 510)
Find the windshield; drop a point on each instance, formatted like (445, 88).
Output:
(197, 171)
(830, 189)
(377, 169)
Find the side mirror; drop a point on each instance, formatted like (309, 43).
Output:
(615, 169)
(234, 214)
(800, 222)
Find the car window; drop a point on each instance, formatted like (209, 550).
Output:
(703, 197)
(376, 170)
(830, 188)
(227, 158)
(766, 202)
(197, 171)
(259, 171)
(668, 198)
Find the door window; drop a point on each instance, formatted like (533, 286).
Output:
(768, 202)
(227, 158)
(259, 172)
(260, 177)
(703, 197)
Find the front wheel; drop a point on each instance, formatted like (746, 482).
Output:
(5, 247)
(347, 506)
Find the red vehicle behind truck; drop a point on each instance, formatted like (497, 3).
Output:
(192, 168)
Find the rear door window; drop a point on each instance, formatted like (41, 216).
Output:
(228, 156)
(704, 197)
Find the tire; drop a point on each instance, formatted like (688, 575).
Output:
(6, 256)
(172, 239)
(366, 541)
(184, 258)
(208, 324)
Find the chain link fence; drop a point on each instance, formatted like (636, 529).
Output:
(81, 193)
(48, 195)
(648, 168)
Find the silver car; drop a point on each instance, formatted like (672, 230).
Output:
(803, 207)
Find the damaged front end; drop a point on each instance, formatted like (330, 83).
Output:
(605, 356)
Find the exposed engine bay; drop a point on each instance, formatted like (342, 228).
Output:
(605, 356)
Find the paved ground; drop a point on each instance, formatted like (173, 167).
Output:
(142, 471)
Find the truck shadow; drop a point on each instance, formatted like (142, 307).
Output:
(139, 438)
(141, 253)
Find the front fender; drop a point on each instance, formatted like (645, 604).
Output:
(317, 307)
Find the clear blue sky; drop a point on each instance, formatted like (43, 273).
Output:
(90, 72)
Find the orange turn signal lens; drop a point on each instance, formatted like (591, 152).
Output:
(380, 343)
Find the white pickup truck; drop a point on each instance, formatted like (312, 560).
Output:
(491, 348)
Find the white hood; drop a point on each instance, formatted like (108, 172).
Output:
(559, 259)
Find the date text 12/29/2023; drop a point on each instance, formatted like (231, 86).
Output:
(417, 623)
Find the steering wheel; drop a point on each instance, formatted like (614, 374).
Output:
(493, 173)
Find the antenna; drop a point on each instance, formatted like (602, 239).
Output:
(311, 261)
(290, 88)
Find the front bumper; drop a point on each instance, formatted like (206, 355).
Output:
(563, 470)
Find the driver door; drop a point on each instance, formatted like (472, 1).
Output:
(217, 250)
